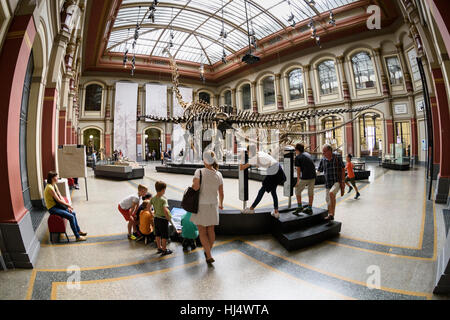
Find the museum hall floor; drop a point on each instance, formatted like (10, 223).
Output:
(392, 229)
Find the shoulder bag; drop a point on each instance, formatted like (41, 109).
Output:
(191, 198)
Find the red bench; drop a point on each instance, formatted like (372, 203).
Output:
(57, 225)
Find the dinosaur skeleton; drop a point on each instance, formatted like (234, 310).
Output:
(221, 117)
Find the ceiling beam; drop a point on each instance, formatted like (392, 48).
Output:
(187, 8)
(163, 26)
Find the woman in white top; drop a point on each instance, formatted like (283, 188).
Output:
(274, 176)
(208, 209)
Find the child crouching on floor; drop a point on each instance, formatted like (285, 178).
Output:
(146, 225)
(162, 218)
(128, 207)
(139, 235)
(189, 232)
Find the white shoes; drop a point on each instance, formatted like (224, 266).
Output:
(248, 211)
(275, 214)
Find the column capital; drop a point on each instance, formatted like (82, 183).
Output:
(377, 51)
(399, 47)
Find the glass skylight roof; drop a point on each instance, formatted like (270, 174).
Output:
(196, 25)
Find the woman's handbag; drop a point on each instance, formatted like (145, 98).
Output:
(191, 198)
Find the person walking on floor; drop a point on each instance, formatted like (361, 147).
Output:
(334, 170)
(274, 176)
(306, 177)
(351, 176)
(211, 188)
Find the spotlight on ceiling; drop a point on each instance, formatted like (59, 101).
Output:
(332, 20)
(224, 57)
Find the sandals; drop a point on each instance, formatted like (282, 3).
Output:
(210, 260)
(330, 219)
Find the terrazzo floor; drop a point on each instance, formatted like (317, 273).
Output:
(392, 233)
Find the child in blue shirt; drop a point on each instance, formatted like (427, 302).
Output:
(189, 232)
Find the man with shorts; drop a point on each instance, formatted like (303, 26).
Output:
(306, 177)
(334, 170)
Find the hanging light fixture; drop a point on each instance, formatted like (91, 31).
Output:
(152, 10)
(125, 56)
(249, 58)
(291, 18)
(223, 35)
(332, 21)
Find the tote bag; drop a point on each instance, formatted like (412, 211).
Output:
(191, 198)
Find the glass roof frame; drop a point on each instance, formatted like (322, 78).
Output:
(196, 25)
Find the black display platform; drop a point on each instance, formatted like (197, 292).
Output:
(232, 171)
(134, 173)
(292, 231)
(404, 166)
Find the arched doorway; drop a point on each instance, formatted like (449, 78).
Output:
(333, 137)
(91, 139)
(370, 135)
(152, 138)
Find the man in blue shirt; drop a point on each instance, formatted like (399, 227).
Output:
(334, 171)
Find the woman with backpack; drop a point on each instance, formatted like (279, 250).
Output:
(210, 183)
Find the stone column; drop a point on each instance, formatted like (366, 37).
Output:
(349, 130)
(442, 110)
(217, 100)
(108, 123)
(254, 97)
(406, 74)
(234, 100)
(384, 79)
(21, 246)
(280, 104)
(311, 107)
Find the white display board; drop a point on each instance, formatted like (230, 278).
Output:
(72, 161)
(125, 116)
(155, 100)
(178, 132)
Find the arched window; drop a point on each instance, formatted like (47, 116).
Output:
(327, 77)
(370, 134)
(204, 96)
(227, 98)
(296, 90)
(93, 101)
(395, 70)
(268, 85)
(246, 97)
(363, 71)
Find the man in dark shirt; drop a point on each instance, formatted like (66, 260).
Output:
(306, 177)
(334, 170)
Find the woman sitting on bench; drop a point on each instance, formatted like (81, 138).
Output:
(56, 204)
